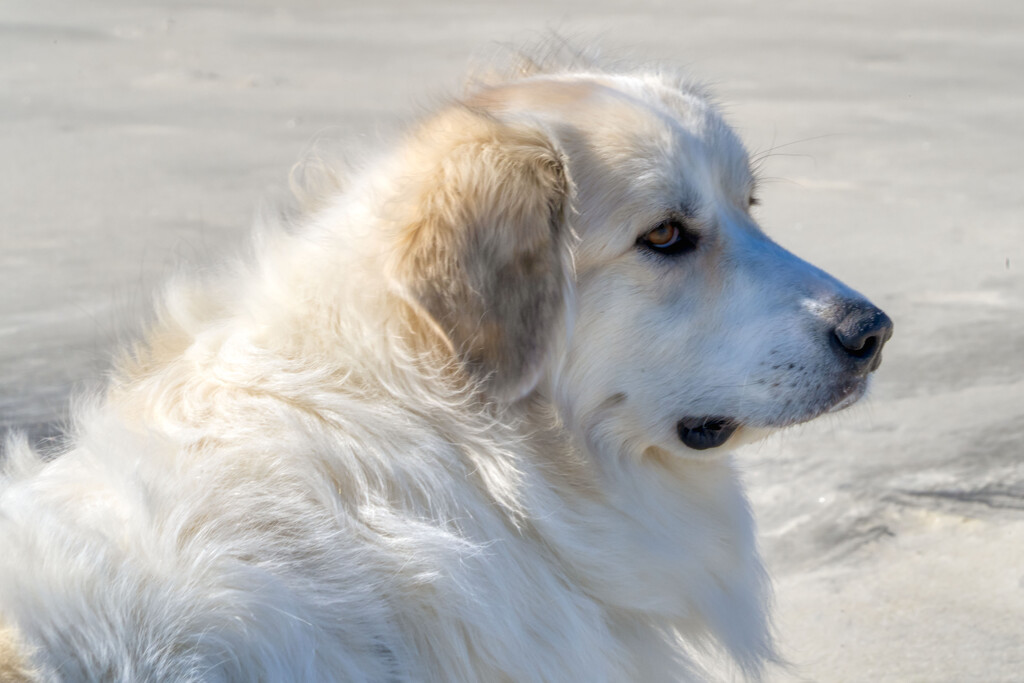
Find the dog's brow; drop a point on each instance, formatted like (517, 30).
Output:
(688, 211)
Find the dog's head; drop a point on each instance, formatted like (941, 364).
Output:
(589, 237)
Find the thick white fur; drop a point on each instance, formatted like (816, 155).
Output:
(313, 469)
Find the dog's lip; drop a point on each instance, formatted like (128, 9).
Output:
(711, 431)
(708, 431)
(844, 396)
(847, 396)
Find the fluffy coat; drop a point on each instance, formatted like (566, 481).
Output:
(412, 440)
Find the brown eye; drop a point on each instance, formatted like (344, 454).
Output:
(663, 235)
(670, 238)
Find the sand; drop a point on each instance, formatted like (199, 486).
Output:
(141, 136)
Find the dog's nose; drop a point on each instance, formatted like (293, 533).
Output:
(861, 333)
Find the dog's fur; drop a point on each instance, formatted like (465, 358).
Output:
(431, 433)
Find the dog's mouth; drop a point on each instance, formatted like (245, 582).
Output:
(847, 395)
(711, 431)
(701, 433)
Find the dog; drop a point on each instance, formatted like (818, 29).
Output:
(468, 419)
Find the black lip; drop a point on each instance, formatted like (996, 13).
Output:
(701, 433)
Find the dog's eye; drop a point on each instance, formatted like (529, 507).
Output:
(670, 237)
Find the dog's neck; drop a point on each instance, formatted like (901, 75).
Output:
(655, 535)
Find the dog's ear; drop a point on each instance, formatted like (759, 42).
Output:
(483, 252)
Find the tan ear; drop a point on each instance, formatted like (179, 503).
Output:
(483, 254)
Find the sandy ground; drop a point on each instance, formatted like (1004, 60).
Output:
(137, 136)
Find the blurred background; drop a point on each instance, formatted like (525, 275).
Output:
(138, 137)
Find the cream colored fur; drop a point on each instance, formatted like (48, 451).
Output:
(429, 434)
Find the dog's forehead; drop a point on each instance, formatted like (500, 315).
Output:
(635, 117)
(647, 138)
(676, 127)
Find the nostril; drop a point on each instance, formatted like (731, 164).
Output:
(863, 331)
(862, 348)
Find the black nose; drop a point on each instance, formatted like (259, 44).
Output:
(861, 333)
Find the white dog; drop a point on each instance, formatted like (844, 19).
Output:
(469, 421)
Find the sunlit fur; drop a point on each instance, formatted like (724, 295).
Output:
(428, 433)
